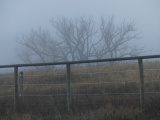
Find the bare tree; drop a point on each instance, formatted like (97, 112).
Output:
(75, 36)
(115, 38)
(79, 39)
(36, 46)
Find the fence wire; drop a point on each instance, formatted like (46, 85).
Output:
(93, 86)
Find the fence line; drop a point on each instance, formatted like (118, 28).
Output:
(80, 62)
(123, 82)
(82, 94)
(68, 71)
(1, 76)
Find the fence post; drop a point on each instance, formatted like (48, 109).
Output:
(21, 86)
(140, 62)
(68, 88)
(16, 88)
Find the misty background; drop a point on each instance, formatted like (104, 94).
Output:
(19, 17)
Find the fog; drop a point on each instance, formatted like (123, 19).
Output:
(18, 17)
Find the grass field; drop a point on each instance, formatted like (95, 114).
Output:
(98, 92)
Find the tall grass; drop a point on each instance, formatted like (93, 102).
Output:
(98, 91)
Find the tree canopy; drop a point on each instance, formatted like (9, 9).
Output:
(79, 39)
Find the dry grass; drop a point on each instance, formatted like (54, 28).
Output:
(121, 78)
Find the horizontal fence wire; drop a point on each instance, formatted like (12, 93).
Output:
(106, 94)
(123, 82)
(80, 83)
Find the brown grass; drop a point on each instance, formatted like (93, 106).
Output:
(122, 78)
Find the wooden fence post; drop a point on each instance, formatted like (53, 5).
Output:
(16, 89)
(68, 88)
(140, 62)
(21, 86)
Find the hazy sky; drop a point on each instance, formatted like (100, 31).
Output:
(18, 17)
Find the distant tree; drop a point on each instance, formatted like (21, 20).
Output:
(76, 37)
(79, 39)
(114, 39)
(36, 46)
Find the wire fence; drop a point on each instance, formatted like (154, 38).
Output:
(81, 86)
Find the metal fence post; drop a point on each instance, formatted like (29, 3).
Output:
(140, 63)
(68, 88)
(16, 88)
(21, 86)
